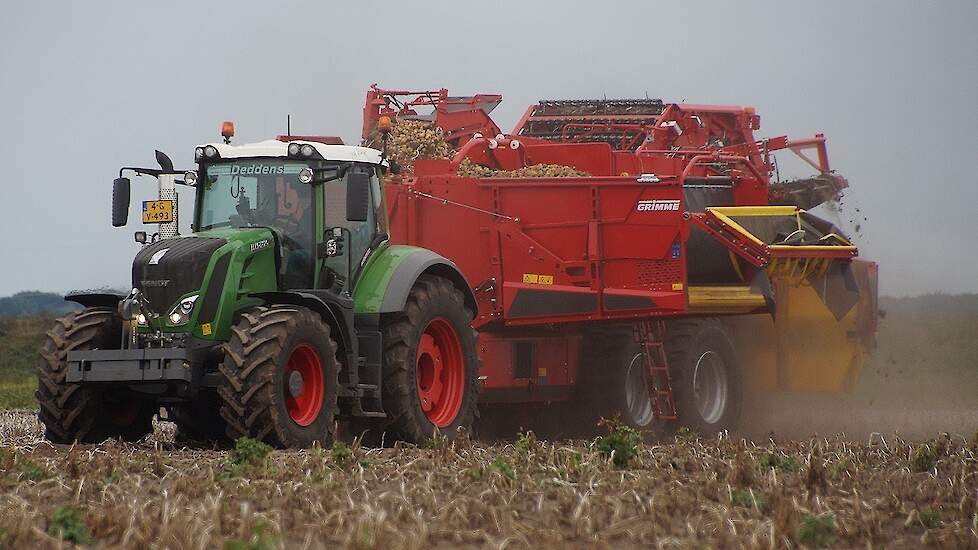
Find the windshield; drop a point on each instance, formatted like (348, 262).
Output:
(254, 193)
(264, 193)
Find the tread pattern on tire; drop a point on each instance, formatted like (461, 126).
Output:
(251, 360)
(74, 412)
(399, 385)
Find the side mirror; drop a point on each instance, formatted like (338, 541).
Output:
(357, 197)
(120, 202)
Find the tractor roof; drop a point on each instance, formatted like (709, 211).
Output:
(276, 148)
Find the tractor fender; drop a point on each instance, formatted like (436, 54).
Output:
(337, 314)
(95, 299)
(422, 262)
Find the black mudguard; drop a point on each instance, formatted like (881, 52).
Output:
(424, 263)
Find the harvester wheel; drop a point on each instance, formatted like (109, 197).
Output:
(280, 377)
(430, 364)
(706, 378)
(612, 380)
(86, 413)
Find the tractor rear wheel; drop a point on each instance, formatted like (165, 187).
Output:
(280, 377)
(705, 373)
(87, 413)
(430, 364)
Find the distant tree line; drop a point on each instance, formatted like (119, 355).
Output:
(33, 302)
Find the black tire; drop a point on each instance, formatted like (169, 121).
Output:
(255, 388)
(82, 412)
(432, 299)
(200, 421)
(612, 380)
(695, 349)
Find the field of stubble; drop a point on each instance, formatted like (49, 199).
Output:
(682, 492)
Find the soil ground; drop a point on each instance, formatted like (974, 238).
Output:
(682, 492)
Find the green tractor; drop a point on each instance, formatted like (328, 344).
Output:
(284, 311)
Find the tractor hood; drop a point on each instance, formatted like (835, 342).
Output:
(205, 265)
(167, 270)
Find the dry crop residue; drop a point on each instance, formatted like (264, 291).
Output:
(686, 492)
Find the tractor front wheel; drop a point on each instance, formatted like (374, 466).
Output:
(430, 364)
(280, 377)
(80, 412)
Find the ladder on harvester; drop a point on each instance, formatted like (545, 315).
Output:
(650, 335)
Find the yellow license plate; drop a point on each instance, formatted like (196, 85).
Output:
(158, 211)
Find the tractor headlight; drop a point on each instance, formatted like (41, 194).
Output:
(198, 154)
(293, 149)
(210, 152)
(307, 150)
(190, 178)
(180, 314)
(141, 320)
(305, 175)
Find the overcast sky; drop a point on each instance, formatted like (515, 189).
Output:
(86, 87)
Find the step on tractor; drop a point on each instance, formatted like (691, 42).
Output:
(660, 274)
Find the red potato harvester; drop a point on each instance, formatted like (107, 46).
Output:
(673, 277)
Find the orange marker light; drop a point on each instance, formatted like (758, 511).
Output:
(227, 130)
(384, 124)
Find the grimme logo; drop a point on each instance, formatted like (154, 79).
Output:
(657, 205)
(256, 169)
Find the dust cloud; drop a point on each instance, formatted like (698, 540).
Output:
(921, 380)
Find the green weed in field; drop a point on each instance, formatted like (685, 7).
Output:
(342, 453)
(620, 444)
(747, 498)
(817, 531)
(501, 465)
(68, 524)
(772, 460)
(840, 469)
(247, 454)
(923, 459)
(31, 471)
(259, 540)
(930, 518)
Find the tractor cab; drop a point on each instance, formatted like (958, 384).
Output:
(321, 202)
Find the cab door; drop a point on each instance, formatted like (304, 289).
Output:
(345, 242)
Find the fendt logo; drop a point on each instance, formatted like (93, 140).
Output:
(657, 205)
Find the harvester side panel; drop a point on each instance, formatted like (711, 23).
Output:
(553, 250)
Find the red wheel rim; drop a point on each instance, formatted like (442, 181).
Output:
(440, 374)
(304, 406)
